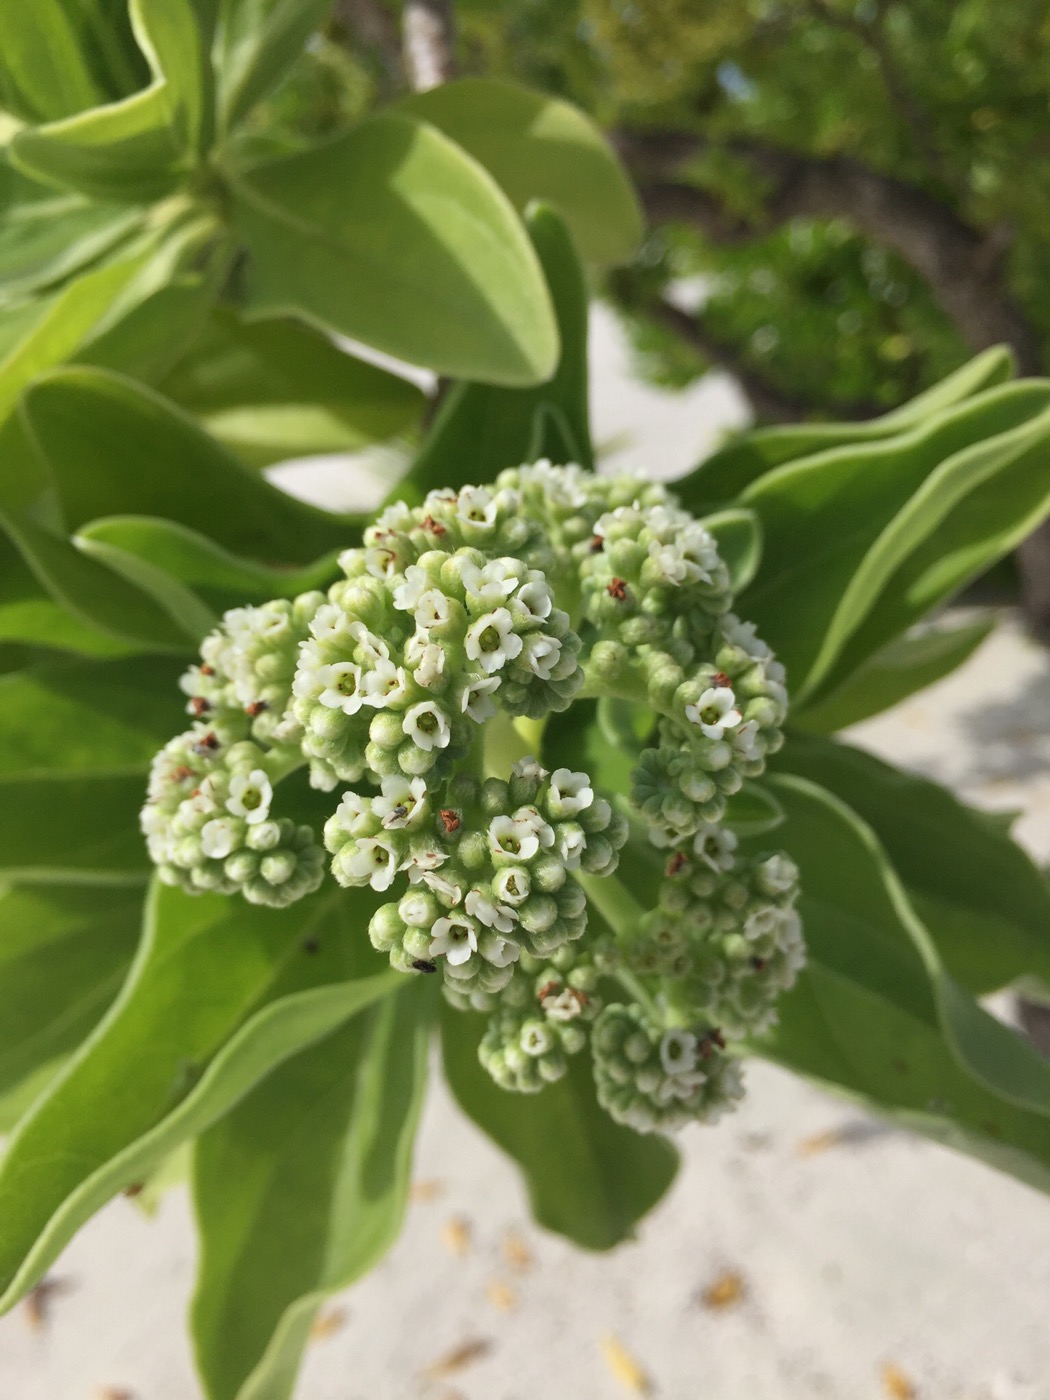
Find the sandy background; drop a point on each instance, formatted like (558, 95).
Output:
(805, 1251)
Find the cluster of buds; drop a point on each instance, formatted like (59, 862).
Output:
(410, 688)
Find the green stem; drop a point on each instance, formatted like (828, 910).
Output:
(614, 902)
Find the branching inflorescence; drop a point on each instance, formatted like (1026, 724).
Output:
(418, 687)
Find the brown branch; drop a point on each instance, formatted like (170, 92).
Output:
(955, 259)
(428, 33)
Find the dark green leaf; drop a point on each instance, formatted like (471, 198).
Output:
(588, 1178)
(539, 147)
(301, 1189)
(464, 295)
(72, 829)
(175, 43)
(43, 73)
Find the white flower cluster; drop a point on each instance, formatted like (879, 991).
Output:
(494, 606)
(487, 869)
(653, 1077)
(208, 823)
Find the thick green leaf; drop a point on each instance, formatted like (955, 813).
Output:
(43, 72)
(123, 151)
(72, 829)
(256, 42)
(465, 294)
(864, 1043)
(104, 718)
(114, 447)
(859, 921)
(182, 605)
(223, 580)
(905, 665)
(301, 1190)
(742, 461)
(63, 954)
(481, 429)
(168, 1059)
(540, 147)
(29, 615)
(154, 333)
(984, 901)
(837, 525)
(271, 390)
(175, 42)
(588, 1178)
(738, 534)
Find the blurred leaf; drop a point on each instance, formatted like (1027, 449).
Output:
(154, 334)
(588, 1178)
(256, 42)
(480, 429)
(28, 614)
(167, 1060)
(273, 390)
(43, 73)
(539, 147)
(464, 295)
(175, 40)
(63, 955)
(186, 610)
(302, 1189)
(753, 810)
(738, 534)
(742, 461)
(63, 829)
(984, 901)
(115, 447)
(906, 664)
(79, 717)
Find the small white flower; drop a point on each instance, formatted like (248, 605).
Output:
(373, 648)
(387, 684)
(342, 688)
(218, 838)
(762, 922)
(678, 1052)
(330, 623)
(512, 838)
(493, 582)
(715, 846)
(420, 863)
(535, 598)
(500, 952)
(714, 712)
(371, 861)
(777, 874)
(250, 796)
(530, 817)
(426, 724)
(745, 741)
(512, 886)
(699, 554)
(428, 659)
(572, 842)
(501, 917)
(402, 803)
(530, 768)
(570, 792)
(743, 635)
(412, 587)
(443, 886)
(668, 563)
(354, 813)
(456, 937)
(566, 1006)
(432, 610)
(476, 699)
(541, 655)
(492, 640)
(475, 506)
(381, 561)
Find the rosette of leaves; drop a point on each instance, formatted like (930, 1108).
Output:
(137, 1021)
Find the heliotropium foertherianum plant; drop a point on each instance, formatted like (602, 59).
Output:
(416, 690)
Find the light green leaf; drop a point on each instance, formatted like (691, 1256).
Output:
(540, 147)
(753, 810)
(984, 901)
(186, 610)
(63, 955)
(838, 524)
(738, 534)
(302, 1189)
(481, 429)
(72, 829)
(29, 615)
(175, 42)
(749, 456)
(588, 1178)
(43, 72)
(465, 294)
(105, 718)
(906, 664)
(272, 390)
(866, 926)
(114, 447)
(256, 42)
(167, 1061)
(154, 334)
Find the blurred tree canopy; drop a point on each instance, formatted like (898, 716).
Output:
(853, 193)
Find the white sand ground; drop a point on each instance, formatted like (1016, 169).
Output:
(868, 1263)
